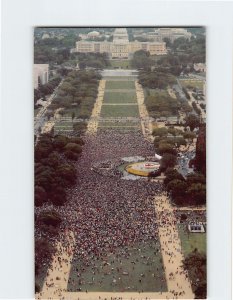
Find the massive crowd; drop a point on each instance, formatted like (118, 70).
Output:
(108, 213)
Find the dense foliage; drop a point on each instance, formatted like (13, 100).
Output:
(77, 95)
(196, 265)
(141, 60)
(160, 104)
(52, 172)
(155, 79)
(91, 60)
(46, 89)
(200, 158)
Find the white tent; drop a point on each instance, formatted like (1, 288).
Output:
(158, 157)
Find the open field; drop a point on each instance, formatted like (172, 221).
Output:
(122, 64)
(119, 111)
(190, 241)
(120, 97)
(198, 84)
(120, 84)
(121, 78)
(117, 273)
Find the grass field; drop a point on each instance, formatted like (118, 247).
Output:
(190, 241)
(120, 85)
(119, 111)
(122, 78)
(122, 64)
(108, 275)
(198, 84)
(120, 97)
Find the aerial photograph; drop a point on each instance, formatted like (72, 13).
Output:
(120, 163)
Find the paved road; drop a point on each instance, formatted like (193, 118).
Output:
(183, 163)
(40, 118)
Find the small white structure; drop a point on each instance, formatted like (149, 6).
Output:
(196, 228)
(199, 67)
(158, 157)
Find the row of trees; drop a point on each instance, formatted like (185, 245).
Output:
(200, 158)
(156, 79)
(52, 172)
(77, 94)
(189, 191)
(161, 104)
(141, 60)
(91, 60)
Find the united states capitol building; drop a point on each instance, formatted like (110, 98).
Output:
(120, 47)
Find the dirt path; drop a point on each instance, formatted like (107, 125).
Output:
(177, 278)
(145, 120)
(58, 274)
(93, 123)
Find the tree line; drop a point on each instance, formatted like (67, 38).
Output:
(54, 173)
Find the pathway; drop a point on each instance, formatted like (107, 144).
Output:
(93, 123)
(58, 274)
(144, 116)
(177, 278)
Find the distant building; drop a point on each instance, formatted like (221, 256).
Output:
(199, 67)
(170, 33)
(45, 36)
(93, 34)
(120, 47)
(41, 74)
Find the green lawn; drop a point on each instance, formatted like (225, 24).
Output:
(121, 78)
(120, 84)
(198, 84)
(122, 64)
(190, 241)
(119, 111)
(147, 260)
(120, 97)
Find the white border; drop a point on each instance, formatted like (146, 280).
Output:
(16, 121)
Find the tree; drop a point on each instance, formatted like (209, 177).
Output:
(172, 174)
(71, 155)
(67, 173)
(177, 188)
(50, 218)
(197, 193)
(192, 121)
(37, 287)
(59, 142)
(195, 264)
(57, 195)
(200, 158)
(168, 161)
(162, 131)
(166, 148)
(40, 196)
(43, 249)
(76, 148)
(195, 178)
(73, 116)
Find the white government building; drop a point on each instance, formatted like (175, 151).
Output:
(170, 33)
(120, 47)
(41, 74)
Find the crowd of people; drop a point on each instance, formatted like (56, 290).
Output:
(114, 221)
(107, 213)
